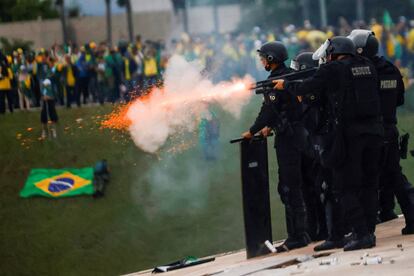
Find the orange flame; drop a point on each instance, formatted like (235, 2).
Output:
(119, 120)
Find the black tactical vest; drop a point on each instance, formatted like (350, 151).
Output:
(359, 97)
(286, 104)
(390, 81)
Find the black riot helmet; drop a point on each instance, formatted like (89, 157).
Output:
(365, 42)
(303, 61)
(341, 45)
(273, 52)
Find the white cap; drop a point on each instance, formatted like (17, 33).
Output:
(47, 82)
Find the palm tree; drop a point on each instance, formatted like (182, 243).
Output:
(216, 18)
(61, 5)
(108, 22)
(324, 18)
(127, 5)
(305, 9)
(360, 9)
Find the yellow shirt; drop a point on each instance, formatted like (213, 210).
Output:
(5, 82)
(377, 29)
(70, 78)
(127, 72)
(150, 67)
(34, 68)
(302, 34)
(390, 46)
(405, 72)
(28, 82)
(410, 40)
(400, 39)
(229, 51)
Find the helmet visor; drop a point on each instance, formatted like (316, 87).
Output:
(321, 52)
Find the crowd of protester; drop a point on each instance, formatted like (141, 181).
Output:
(99, 73)
(78, 75)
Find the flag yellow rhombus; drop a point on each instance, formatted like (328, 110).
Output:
(62, 184)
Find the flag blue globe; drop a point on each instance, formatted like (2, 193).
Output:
(60, 184)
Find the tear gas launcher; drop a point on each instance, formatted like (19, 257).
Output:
(265, 86)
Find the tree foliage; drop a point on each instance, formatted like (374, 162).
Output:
(373, 9)
(19, 10)
(121, 3)
(8, 46)
(270, 13)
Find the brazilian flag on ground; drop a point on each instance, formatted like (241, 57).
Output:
(59, 183)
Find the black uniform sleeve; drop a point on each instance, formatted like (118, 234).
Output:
(317, 82)
(401, 91)
(263, 119)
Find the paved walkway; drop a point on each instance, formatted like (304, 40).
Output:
(393, 255)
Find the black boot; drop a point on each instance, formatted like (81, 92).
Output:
(290, 223)
(374, 239)
(322, 235)
(408, 229)
(366, 241)
(387, 216)
(349, 237)
(293, 243)
(328, 245)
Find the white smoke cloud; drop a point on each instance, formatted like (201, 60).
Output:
(182, 102)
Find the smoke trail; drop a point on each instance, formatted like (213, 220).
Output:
(166, 122)
(181, 103)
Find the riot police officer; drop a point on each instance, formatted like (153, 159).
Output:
(282, 114)
(352, 144)
(391, 91)
(312, 172)
(325, 218)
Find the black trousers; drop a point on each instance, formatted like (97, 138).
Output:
(8, 93)
(48, 112)
(83, 89)
(59, 92)
(70, 95)
(36, 91)
(312, 191)
(289, 158)
(332, 208)
(355, 183)
(392, 180)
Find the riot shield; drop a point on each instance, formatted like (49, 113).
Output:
(255, 192)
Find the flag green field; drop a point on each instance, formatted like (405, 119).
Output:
(56, 183)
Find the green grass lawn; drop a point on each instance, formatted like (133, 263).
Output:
(157, 208)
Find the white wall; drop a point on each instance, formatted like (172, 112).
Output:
(201, 18)
(139, 6)
(230, 17)
(44, 33)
